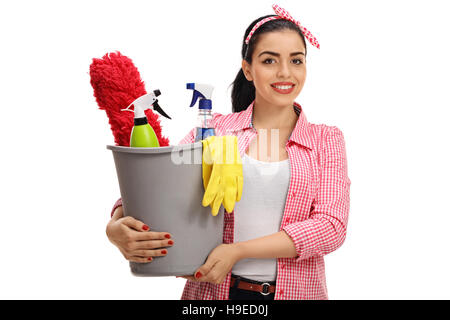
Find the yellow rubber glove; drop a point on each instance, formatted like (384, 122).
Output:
(222, 173)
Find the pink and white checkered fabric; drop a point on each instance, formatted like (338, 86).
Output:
(283, 14)
(316, 209)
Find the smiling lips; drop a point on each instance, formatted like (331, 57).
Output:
(283, 87)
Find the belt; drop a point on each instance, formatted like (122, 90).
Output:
(264, 288)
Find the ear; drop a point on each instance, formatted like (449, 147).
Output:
(246, 70)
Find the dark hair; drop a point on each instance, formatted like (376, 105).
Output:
(243, 91)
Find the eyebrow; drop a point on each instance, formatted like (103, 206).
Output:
(277, 54)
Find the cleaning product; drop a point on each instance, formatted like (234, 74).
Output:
(116, 82)
(205, 125)
(142, 134)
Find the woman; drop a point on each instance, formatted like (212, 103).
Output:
(295, 202)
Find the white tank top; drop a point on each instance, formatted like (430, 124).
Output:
(259, 212)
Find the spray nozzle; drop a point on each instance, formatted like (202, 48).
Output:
(202, 91)
(147, 101)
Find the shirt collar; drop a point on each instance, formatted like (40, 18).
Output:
(300, 135)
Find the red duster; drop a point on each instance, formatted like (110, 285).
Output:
(117, 83)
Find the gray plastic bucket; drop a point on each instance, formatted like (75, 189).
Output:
(163, 188)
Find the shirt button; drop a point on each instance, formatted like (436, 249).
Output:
(281, 292)
(283, 265)
(293, 194)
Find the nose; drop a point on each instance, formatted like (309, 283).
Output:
(283, 70)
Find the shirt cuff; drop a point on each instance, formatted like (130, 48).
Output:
(293, 232)
(116, 205)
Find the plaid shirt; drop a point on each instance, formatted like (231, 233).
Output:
(316, 210)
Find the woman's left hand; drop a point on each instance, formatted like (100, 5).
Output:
(219, 263)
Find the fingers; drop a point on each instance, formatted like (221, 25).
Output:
(229, 198)
(139, 259)
(206, 174)
(211, 190)
(145, 251)
(217, 202)
(143, 230)
(154, 244)
(139, 244)
(202, 273)
(144, 256)
(134, 224)
(150, 235)
(214, 195)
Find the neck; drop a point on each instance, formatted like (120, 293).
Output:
(269, 116)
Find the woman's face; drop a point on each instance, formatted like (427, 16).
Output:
(278, 69)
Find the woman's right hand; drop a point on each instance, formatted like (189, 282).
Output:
(135, 240)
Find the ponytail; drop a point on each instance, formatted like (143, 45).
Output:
(243, 92)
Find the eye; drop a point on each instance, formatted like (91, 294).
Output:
(297, 61)
(269, 61)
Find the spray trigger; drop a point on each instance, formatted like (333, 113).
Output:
(147, 101)
(195, 96)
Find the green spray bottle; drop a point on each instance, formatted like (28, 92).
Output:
(142, 134)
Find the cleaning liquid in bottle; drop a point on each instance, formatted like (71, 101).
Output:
(205, 123)
(142, 134)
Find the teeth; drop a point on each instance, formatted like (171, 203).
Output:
(283, 87)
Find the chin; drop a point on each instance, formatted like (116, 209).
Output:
(284, 101)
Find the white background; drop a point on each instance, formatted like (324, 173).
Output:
(381, 76)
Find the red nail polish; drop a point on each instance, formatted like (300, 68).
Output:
(145, 227)
(164, 251)
(198, 275)
(167, 236)
(170, 242)
(150, 259)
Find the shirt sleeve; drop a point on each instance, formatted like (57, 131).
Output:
(116, 205)
(189, 138)
(325, 229)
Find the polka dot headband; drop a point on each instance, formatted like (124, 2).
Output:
(283, 14)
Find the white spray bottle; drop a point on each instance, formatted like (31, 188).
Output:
(142, 134)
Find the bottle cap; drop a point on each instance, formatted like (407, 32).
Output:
(205, 104)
